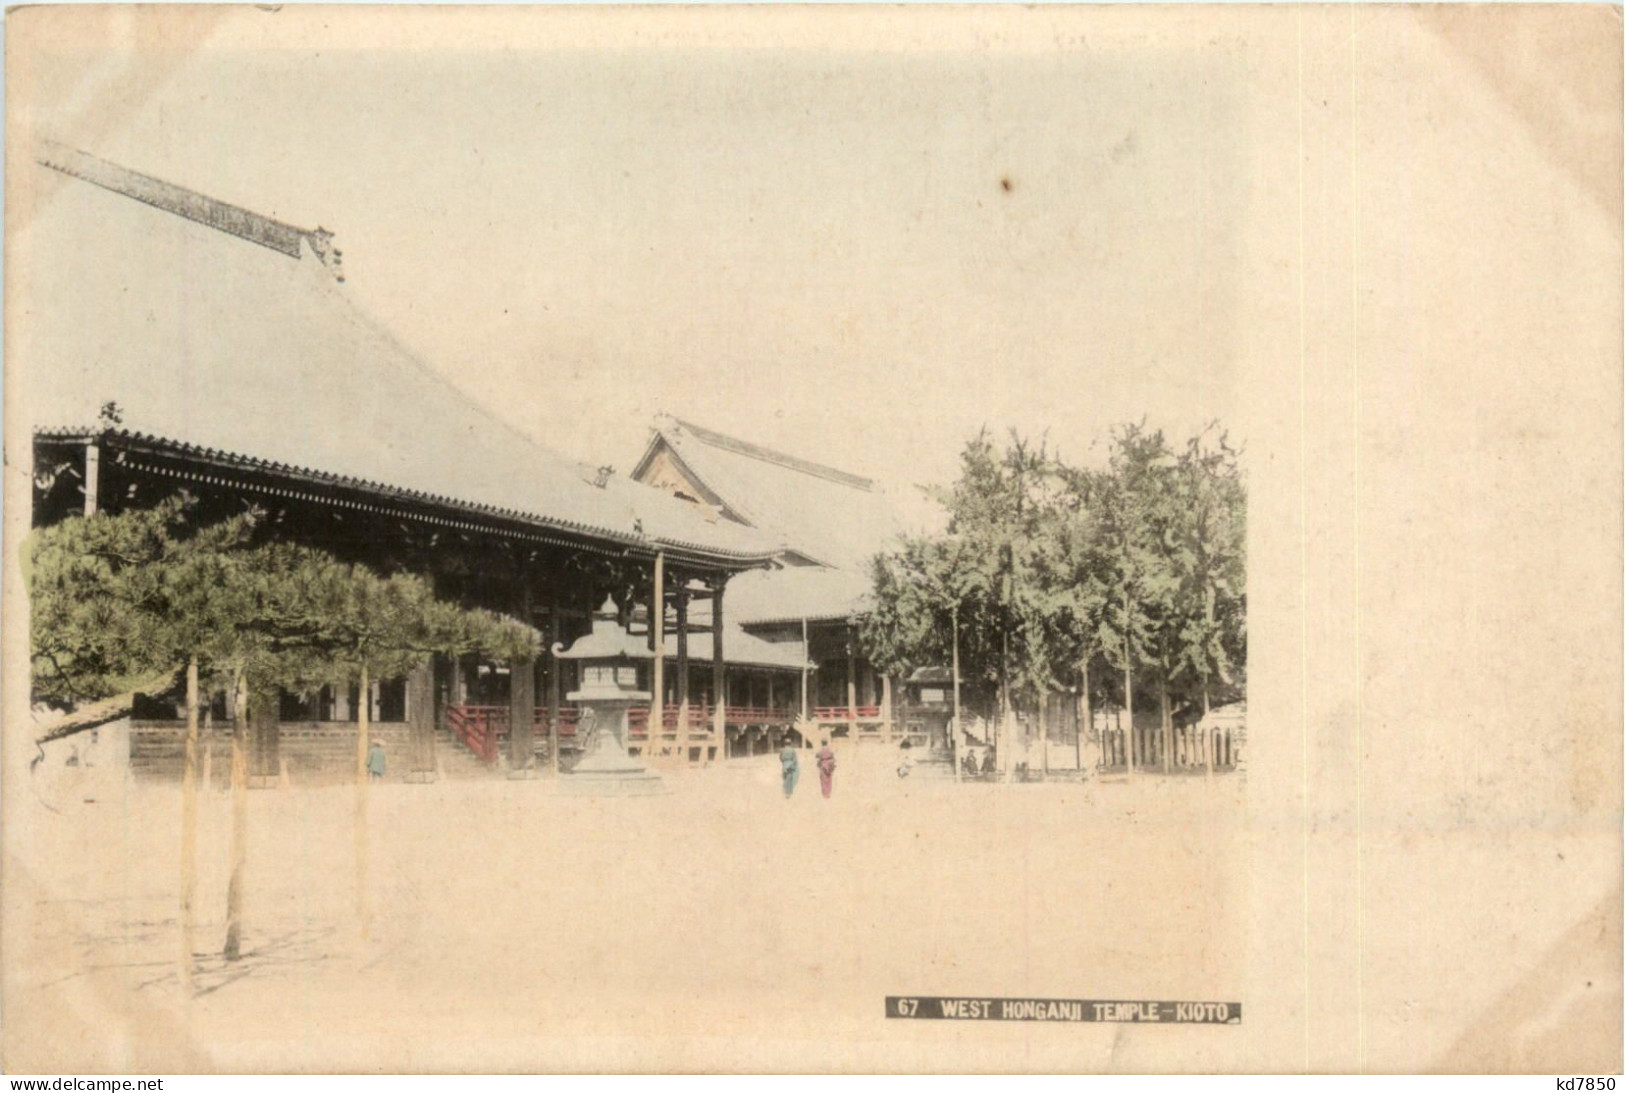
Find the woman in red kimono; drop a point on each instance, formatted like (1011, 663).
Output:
(826, 768)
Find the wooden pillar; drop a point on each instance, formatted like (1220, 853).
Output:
(851, 685)
(93, 478)
(806, 670)
(522, 697)
(521, 717)
(719, 673)
(886, 708)
(420, 720)
(657, 628)
(265, 733)
(682, 671)
(770, 691)
(555, 682)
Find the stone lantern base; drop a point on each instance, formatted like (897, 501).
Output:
(607, 771)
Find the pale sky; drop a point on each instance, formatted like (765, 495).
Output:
(859, 248)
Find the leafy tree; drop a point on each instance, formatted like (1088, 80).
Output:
(103, 617)
(116, 598)
(1210, 559)
(1138, 565)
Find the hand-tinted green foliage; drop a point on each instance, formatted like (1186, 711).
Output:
(100, 589)
(116, 598)
(1141, 562)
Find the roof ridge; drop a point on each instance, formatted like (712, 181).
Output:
(769, 455)
(188, 204)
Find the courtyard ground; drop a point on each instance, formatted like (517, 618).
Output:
(715, 925)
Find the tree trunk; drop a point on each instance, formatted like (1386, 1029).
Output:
(1167, 731)
(1128, 704)
(239, 818)
(1207, 743)
(363, 725)
(957, 727)
(1002, 735)
(96, 714)
(1088, 723)
(1043, 733)
(189, 829)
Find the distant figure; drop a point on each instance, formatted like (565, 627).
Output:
(826, 768)
(988, 766)
(375, 760)
(905, 761)
(792, 767)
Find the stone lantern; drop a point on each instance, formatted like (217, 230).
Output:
(609, 659)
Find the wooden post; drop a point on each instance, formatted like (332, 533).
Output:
(806, 669)
(265, 727)
(555, 679)
(189, 828)
(682, 673)
(886, 708)
(851, 685)
(93, 478)
(657, 626)
(420, 720)
(239, 819)
(521, 717)
(522, 698)
(719, 673)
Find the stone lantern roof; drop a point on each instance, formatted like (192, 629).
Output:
(607, 641)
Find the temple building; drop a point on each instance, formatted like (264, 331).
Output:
(831, 524)
(201, 347)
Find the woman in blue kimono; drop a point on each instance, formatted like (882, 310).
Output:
(792, 768)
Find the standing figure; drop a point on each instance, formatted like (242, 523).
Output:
(826, 768)
(792, 768)
(375, 760)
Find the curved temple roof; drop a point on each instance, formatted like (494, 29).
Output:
(164, 304)
(827, 515)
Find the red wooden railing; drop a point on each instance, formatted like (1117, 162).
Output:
(699, 720)
(846, 713)
(477, 728)
(758, 715)
(569, 720)
(482, 729)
